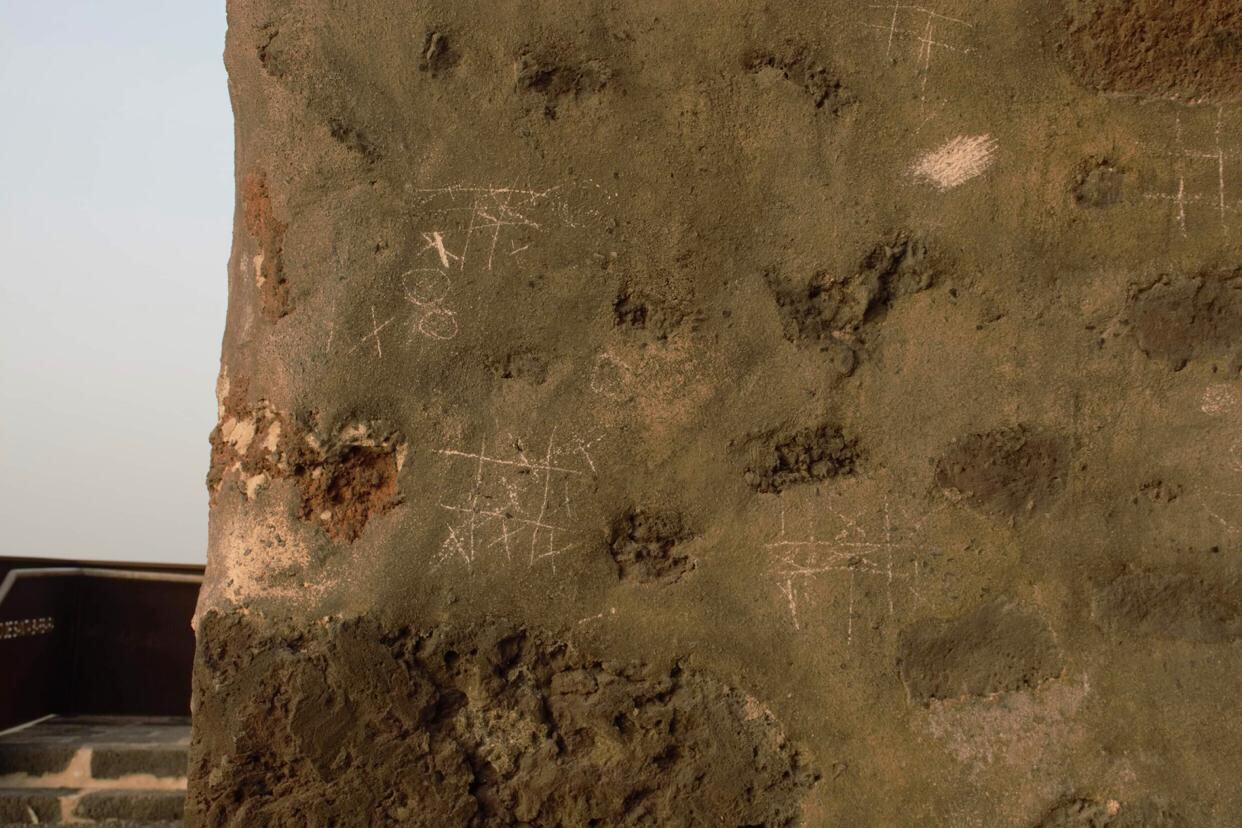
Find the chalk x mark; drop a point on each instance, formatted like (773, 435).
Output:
(377, 328)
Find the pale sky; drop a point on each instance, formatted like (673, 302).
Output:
(116, 142)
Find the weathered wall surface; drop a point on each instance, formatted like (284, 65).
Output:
(728, 414)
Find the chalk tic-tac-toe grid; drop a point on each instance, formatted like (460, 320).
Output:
(920, 32)
(868, 562)
(1195, 171)
(505, 502)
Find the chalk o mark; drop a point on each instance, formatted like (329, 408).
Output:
(426, 288)
(438, 324)
(610, 377)
(426, 285)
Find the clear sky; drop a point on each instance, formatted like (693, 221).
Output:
(116, 141)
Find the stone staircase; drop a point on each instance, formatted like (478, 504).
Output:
(111, 770)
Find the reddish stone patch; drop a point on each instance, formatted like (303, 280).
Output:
(343, 481)
(343, 491)
(269, 232)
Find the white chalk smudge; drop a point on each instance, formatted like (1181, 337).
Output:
(957, 161)
(1218, 399)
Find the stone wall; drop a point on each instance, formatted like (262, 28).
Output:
(723, 413)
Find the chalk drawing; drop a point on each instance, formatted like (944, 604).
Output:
(929, 30)
(597, 617)
(611, 376)
(331, 329)
(957, 161)
(465, 229)
(873, 547)
(374, 336)
(516, 506)
(1199, 164)
(484, 214)
(425, 290)
(435, 241)
(424, 313)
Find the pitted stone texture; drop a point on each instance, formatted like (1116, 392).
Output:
(494, 725)
(1187, 50)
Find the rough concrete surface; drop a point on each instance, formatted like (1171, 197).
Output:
(722, 413)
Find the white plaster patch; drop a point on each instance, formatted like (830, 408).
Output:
(957, 161)
(357, 434)
(272, 441)
(222, 390)
(246, 557)
(253, 483)
(754, 709)
(238, 433)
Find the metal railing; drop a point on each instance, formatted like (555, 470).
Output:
(92, 572)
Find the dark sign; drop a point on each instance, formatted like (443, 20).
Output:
(91, 638)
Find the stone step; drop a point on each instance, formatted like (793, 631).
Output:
(32, 805)
(118, 804)
(113, 807)
(96, 751)
(120, 761)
